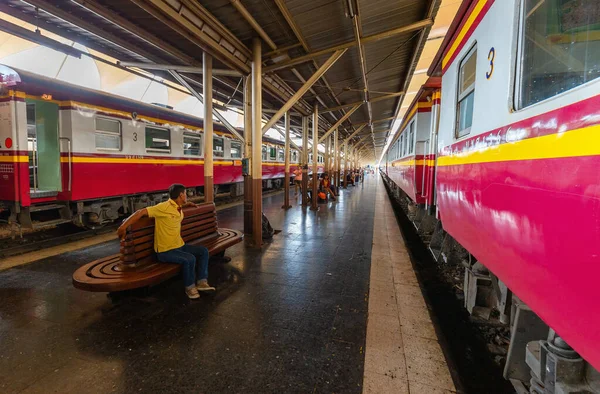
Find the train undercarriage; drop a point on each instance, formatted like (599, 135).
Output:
(93, 214)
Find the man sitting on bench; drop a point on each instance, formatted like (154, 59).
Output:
(169, 245)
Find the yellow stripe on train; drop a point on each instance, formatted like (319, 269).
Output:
(574, 143)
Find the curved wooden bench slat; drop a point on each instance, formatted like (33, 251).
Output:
(136, 265)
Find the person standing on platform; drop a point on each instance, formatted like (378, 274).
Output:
(169, 245)
(298, 180)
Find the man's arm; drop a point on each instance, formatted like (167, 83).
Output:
(131, 220)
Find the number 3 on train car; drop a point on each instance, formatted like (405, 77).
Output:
(491, 57)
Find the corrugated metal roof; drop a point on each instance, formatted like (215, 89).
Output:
(320, 23)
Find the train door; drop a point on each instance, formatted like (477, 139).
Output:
(44, 148)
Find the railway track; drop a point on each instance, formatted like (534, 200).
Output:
(69, 233)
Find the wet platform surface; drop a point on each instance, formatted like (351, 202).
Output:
(290, 319)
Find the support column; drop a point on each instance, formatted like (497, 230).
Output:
(346, 165)
(336, 162)
(286, 188)
(256, 142)
(304, 161)
(209, 192)
(326, 156)
(248, 154)
(314, 203)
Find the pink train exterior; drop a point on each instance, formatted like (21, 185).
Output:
(521, 190)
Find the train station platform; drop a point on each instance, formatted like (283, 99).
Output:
(330, 305)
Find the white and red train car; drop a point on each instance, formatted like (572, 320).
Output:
(516, 174)
(94, 156)
(410, 160)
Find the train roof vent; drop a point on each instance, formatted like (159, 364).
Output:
(163, 105)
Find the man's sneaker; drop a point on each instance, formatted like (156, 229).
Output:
(202, 285)
(192, 293)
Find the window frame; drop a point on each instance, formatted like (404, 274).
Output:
(517, 77)
(156, 150)
(120, 134)
(188, 134)
(237, 143)
(215, 154)
(264, 152)
(411, 136)
(462, 96)
(272, 149)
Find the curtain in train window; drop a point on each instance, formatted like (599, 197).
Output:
(272, 153)
(108, 134)
(192, 144)
(236, 150)
(158, 140)
(218, 147)
(560, 47)
(466, 93)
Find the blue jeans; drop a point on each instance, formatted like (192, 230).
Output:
(194, 261)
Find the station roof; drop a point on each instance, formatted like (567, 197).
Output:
(382, 41)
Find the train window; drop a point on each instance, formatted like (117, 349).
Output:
(264, 153)
(192, 144)
(294, 156)
(108, 134)
(560, 48)
(158, 140)
(402, 145)
(280, 155)
(466, 93)
(272, 153)
(218, 147)
(310, 157)
(236, 150)
(411, 138)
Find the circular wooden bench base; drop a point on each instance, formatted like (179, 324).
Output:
(110, 274)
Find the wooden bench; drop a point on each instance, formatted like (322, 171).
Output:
(137, 266)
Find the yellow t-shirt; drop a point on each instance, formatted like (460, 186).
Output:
(167, 226)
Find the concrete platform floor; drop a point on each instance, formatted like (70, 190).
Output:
(291, 319)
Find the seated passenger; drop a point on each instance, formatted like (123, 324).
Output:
(326, 186)
(169, 245)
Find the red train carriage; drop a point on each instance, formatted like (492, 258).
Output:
(91, 156)
(516, 178)
(411, 158)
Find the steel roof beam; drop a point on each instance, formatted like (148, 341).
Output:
(292, 24)
(255, 25)
(338, 123)
(178, 68)
(363, 66)
(133, 29)
(375, 121)
(353, 134)
(310, 82)
(91, 28)
(365, 40)
(196, 27)
(372, 100)
(200, 98)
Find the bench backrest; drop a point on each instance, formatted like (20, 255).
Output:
(138, 246)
